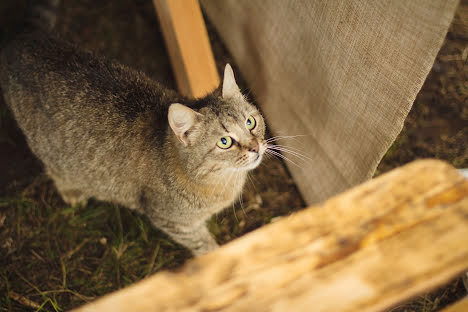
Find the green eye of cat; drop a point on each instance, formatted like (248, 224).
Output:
(251, 123)
(225, 142)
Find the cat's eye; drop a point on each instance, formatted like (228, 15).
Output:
(250, 123)
(225, 142)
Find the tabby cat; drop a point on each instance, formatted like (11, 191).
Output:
(106, 131)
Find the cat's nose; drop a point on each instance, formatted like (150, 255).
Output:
(253, 147)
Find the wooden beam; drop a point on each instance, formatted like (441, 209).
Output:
(188, 46)
(364, 250)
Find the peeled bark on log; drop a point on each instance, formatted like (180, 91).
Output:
(364, 250)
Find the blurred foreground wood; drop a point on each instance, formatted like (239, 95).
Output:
(188, 46)
(364, 250)
(460, 306)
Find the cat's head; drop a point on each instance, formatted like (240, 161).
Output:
(225, 133)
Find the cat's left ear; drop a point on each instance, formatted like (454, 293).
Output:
(181, 119)
(230, 88)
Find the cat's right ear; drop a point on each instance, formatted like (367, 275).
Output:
(181, 119)
(230, 88)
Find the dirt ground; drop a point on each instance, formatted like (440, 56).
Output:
(54, 257)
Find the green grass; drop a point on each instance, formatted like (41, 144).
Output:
(59, 257)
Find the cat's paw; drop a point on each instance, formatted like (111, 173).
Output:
(205, 248)
(74, 198)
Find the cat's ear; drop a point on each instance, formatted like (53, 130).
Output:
(230, 88)
(181, 119)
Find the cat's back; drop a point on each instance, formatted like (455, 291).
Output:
(51, 74)
(76, 108)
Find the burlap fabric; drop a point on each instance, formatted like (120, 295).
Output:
(343, 73)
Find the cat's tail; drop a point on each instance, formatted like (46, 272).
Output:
(20, 16)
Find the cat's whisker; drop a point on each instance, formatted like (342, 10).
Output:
(216, 187)
(288, 147)
(239, 196)
(263, 163)
(226, 183)
(267, 156)
(282, 156)
(234, 211)
(282, 137)
(249, 177)
(277, 137)
(292, 152)
(241, 200)
(247, 92)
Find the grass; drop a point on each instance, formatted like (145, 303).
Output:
(58, 257)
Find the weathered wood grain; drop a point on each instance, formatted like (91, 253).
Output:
(364, 250)
(188, 46)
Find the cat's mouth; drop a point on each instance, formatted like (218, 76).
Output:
(258, 158)
(255, 162)
(252, 160)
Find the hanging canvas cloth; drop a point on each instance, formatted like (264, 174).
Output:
(342, 73)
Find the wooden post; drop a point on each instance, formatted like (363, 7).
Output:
(188, 46)
(364, 250)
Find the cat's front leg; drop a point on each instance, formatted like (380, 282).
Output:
(196, 237)
(204, 242)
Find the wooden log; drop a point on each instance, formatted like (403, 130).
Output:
(460, 306)
(364, 250)
(188, 46)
